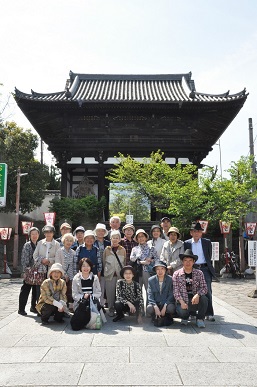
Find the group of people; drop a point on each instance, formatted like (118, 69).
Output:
(111, 268)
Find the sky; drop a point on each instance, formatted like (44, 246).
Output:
(41, 41)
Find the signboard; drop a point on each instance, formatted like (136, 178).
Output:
(215, 251)
(3, 184)
(49, 218)
(129, 219)
(252, 252)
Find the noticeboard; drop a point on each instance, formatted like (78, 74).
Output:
(252, 253)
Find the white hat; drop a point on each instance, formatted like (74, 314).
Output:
(54, 267)
(115, 232)
(101, 226)
(89, 233)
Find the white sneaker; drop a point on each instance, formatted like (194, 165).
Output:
(210, 318)
(200, 324)
(184, 322)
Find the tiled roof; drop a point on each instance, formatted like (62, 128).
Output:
(172, 88)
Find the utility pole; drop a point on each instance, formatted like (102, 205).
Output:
(251, 143)
(17, 211)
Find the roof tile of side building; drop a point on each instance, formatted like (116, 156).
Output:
(163, 88)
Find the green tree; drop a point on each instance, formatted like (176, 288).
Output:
(17, 148)
(179, 192)
(86, 211)
(133, 203)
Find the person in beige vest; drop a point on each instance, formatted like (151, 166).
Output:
(114, 258)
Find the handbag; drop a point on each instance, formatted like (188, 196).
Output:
(82, 315)
(32, 276)
(162, 321)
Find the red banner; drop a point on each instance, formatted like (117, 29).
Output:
(49, 218)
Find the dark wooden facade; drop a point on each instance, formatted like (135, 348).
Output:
(100, 115)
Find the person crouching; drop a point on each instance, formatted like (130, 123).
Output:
(52, 298)
(129, 296)
(160, 293)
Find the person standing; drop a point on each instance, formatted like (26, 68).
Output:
(28, 261)
(114, 259)
(165, 225)
(115, 223)
(79, 237)
(202, 248)
(65, 256)
(65, 228)
(156, 240)
(128, 241)
(45, 252)
(101, 243)
(171, 250)
(190, 288)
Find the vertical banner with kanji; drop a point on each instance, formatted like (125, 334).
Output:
(252, 253)
(49, 218)
(3, 184)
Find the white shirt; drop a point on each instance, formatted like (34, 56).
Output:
(197, 249)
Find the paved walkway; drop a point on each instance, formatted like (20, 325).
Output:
(124, 354)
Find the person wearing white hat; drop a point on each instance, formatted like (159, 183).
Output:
(88, 250)
(52, 300)
(79, 235)
(114, 259)
(101, 243)
(45, 252)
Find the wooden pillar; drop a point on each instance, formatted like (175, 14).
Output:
(64, 179)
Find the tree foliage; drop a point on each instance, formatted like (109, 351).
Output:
(179, 191)
(17, 148)
(124, 203)
(86, 211)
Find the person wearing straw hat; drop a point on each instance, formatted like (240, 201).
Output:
(171, 250)
(52, 300)
(161, 302)
(129, 296)
(101, 243)
(128, 242)
(202, 247)
(144, 256)
(190, 290)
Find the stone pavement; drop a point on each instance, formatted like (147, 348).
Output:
(124, 354)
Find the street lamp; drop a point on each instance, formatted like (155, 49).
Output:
(16, 229)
